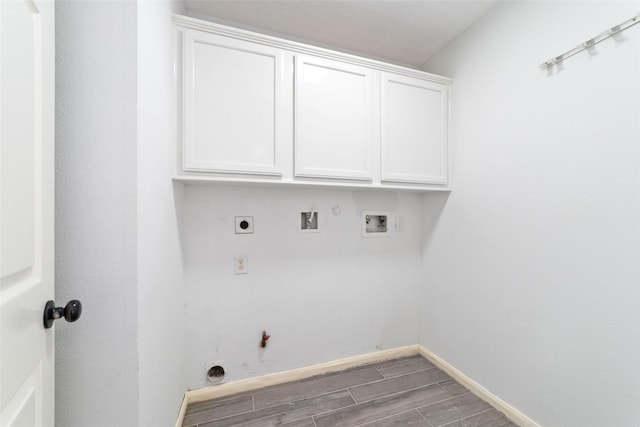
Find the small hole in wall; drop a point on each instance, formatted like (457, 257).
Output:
(215, 374)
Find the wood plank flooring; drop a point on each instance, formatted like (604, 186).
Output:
(403, 392)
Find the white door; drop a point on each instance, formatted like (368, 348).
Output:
(233, 105)
(26, 211)
(333, 119)
(414, 130)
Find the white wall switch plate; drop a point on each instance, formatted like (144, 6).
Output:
(241, 264)
(399, 224)
(244, 224)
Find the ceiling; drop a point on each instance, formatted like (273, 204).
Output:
(398, 31)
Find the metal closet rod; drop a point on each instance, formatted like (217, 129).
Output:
(591, 42)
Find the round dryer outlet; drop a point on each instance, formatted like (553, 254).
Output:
(214, 372)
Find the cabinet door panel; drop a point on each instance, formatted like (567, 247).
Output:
(414, 130)
(333, 119)
(233, 105)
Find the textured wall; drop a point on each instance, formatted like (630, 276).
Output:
(96, 358)
(532, 268)
(160, 290)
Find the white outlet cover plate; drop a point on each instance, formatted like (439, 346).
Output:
(241, 264)
(239, 220)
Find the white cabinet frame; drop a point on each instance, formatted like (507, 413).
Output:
(389, 145)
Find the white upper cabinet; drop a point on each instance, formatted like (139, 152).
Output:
(333, 119)
(233, 117)
(414, 130)
(260, 109)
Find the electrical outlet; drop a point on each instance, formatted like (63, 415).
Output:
(244, 224)
(241, 264)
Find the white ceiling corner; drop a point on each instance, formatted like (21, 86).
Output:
(406, 32)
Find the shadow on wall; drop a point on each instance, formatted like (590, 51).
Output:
(178, 199)
(432, 206)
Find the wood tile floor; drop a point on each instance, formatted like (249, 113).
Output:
(404, 392)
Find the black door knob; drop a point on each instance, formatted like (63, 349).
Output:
(71, 312)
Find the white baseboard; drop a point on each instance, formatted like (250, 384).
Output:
(350, 362)
(509, 411)
(291, 375)
(183, 411)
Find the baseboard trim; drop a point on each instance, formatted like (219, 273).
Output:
(183, 411)
(509, 411)
(298, 374)
(249, 384)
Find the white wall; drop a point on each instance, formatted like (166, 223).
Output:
(96, 357)
(122, 363)
(160, 292)
(532, 267)
(321, 296)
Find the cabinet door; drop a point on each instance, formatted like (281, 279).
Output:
(232, 105)
(414, 130)
(333, 119)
